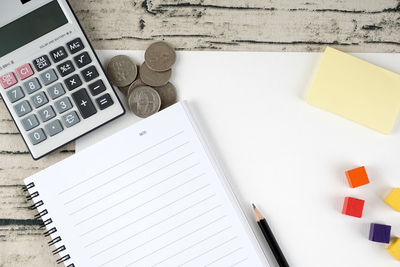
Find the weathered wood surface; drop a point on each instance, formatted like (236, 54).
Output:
(274, 25)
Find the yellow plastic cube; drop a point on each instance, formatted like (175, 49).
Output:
(393, 199)
(394, 248)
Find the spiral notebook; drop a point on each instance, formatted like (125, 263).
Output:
(150, 195)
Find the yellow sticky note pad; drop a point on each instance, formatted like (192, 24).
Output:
(357, 90)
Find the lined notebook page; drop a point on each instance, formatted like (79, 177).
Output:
(149, 195)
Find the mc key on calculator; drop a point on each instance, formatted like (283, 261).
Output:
(50, 77)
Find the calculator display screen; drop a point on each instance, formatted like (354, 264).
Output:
(31, 26)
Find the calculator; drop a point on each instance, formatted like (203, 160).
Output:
(50, 77)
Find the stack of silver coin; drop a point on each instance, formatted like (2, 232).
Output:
(147, 87)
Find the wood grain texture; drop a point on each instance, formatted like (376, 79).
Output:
(269, 25)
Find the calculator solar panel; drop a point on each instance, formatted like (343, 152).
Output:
(50, 77)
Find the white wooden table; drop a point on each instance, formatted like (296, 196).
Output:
(274, 25)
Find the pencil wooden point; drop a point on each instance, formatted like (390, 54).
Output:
(254, 206)
(259, 216)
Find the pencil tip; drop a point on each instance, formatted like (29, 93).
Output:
(254, 206)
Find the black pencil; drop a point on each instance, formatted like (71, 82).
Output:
(269, 236)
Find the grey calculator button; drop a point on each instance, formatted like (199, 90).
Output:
(37, 136)
(15, 94)
(56, 90)
(32, 85)
(48, 77)
(63, 105)
(54, 128)
(39, 100)
(70, 119)
(30, 122)
(46, 113)
(22, 108)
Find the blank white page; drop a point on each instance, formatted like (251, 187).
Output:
(149, 195)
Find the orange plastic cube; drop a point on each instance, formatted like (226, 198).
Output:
(357, 177)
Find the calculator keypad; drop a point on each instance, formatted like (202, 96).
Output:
(56, 91)
(37, 136)
(41, 96)
(66, 68)
(75, 46)
(46, 113)
(63, 105)
(58, 54)
(8, 80)
(42, 63)
(22, 108)
(24, 72)
(73, 82)
(70, 119)
(48, 77)
(32, 85)
(54, 128)
(15, 94)
(39, 100)
(84, 103)
(82, 60)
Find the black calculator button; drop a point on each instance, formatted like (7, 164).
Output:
(97, 87)
(42, 63)
(73, 82)
(58, 54)
(104, 101)
(83, 59)
(75, 45)
(66, 68)
(90, 73)
(84, 103)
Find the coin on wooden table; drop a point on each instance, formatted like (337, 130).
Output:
(121, 71)
(144, 101)
(154, 78)
(167, 94)
(138, 82)
(160, 56)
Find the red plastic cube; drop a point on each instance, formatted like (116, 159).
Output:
(353, 207)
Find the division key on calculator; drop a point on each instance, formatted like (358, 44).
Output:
(50, 78)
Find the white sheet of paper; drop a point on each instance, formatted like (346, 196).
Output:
(286, 155)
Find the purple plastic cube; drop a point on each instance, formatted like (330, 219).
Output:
(380, 233)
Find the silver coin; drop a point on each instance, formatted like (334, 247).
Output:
(154, 78)
(160, 56)
(167, 94)
(144, 101)
(138, 82)
(121, 71)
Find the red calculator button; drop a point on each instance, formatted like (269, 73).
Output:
(8, 80)
(24, 71)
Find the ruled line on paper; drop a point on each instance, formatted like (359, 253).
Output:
(104, 210)
(152, 213)
(192, 246)
(208, 251)
(131, 170)
(148, 241)
(168, 231)
(224, 256)
(121, 162)
(239, 262)
(134, 182)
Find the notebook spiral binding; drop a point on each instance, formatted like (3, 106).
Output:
(46, 223)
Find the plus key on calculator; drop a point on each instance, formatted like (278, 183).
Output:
(50, 77)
